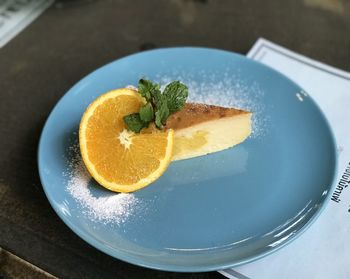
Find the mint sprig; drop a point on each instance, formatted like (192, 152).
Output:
(134, 122)
(159, 105)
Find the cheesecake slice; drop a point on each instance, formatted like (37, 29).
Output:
(202, 129)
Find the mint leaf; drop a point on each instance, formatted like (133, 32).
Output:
(162, 112)
(134, 122)
(157, 98)
(176, 94)
(147, 89)
(146, 113)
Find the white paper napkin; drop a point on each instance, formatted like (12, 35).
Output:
(17, 15)
(323, 251)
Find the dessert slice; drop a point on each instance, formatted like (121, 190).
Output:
(202, 129)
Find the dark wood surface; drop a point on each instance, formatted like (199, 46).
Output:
(71, 39)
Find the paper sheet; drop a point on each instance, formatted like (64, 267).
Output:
(323, 251)
(16, 15)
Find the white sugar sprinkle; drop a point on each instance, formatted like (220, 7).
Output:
(117, 208)
(110, 208)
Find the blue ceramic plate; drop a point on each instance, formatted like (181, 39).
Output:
(211, 212)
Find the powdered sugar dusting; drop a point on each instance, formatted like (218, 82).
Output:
(110, 208)
(227, 91)
(131, 87)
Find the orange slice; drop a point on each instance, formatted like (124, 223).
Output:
(118, 159)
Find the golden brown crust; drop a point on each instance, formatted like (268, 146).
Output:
(194, 113)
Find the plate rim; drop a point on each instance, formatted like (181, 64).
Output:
(127, 257)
